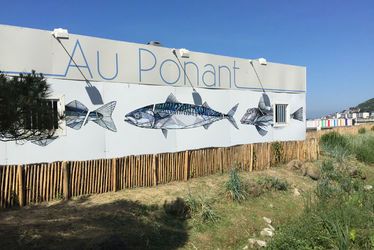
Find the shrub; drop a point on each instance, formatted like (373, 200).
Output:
(336, 145)
(277, 149)
(363, 147)
(273, 183)
(177, 208)
(201, 207)
(235, 188)
(362, 131)
(372, 128)
(334, 139)
(339, 216)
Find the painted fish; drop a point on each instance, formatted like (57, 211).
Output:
(262, 116)
(175, 115)
(77, 114)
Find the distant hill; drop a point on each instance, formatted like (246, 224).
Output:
(367, 105)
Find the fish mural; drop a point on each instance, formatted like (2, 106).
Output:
(77, 115)
(262, 116)
(175, 115)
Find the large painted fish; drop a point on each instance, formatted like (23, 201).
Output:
(262, 116)
(77, 114)
(175, 115)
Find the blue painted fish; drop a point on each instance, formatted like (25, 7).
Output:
(175, 115)
(77, 114)
(262, 116)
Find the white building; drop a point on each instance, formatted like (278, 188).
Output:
(124, 77)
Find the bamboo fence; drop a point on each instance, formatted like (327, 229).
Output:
(26, 184)
(22, 185)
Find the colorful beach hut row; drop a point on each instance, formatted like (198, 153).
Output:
(329, 123)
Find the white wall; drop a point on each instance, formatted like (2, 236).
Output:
(141, 77)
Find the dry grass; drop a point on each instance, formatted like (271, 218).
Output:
(135, 218)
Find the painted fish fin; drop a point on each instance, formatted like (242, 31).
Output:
(107, 109)
(230, 116)
(74, 123)
(261, 131)
(205, 104)
(106, 122)
(298, 114)
(165, 132)
(76, 105)
(206, 126)
(75, 112)
(172, 98)
(264, 104)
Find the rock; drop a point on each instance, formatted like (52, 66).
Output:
(271, 227)
(368, 187)
(261, 243)
(296, 192)
(267, 220)
(311, 170)
(254, 243)
(271, 205)
(295, 165)
(245, 247)
(267, 232)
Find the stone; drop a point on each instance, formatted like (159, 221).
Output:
(295, 165)
(311, 170)
(271, 227)
(245, 247)
(271, 205)
(261, 243)
(267, 220)
(368, 187)
(267, 232)
(296, 192)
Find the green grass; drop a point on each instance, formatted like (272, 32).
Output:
(235, 188)
(339, 214)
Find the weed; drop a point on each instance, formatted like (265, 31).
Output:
(334, 139)
(277, 148)
(339, 215)
(273, 183)
(59, 196)
(235, 187)
(362, 130)
(177, 208)
(201, 207)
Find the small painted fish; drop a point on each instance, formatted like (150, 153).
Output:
(262, 117)
(77, 114)
(175, 115)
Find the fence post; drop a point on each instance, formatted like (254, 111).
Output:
(66, 180)
(186, 163)
(114, 174)
(21, 186)
(154, 170)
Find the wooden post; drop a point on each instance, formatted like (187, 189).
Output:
(114, 174)
(66, 182)
(186, 163)
(251, 159)
(21, 186)
(154, 170)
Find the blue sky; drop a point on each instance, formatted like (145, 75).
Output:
(334, 39)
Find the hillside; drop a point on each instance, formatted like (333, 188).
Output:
(367, 105)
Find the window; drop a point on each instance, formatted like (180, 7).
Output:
(46, 115)
(281, 114)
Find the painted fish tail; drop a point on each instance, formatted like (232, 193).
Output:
(230, 116)
(298, 114)
(106, 121)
